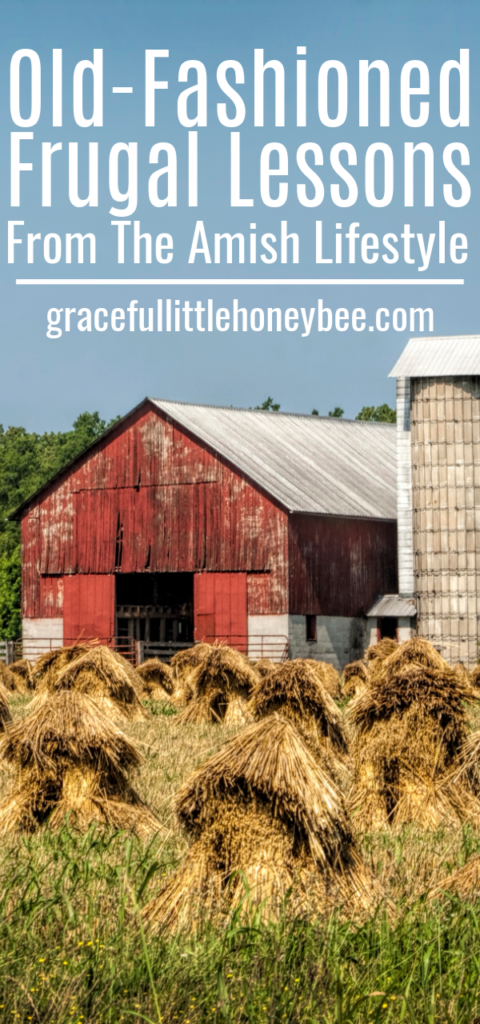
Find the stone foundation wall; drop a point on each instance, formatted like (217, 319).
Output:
(339, 640)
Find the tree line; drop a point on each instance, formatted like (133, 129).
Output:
(28, 460)
(378, 413)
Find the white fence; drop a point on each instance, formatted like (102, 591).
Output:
(273, 647)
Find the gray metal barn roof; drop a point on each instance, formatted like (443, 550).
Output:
(308, 463)
(453, 356)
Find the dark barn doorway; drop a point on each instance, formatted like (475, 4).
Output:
(155, 607)
(387, 628)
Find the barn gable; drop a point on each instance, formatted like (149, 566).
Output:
(149, 498)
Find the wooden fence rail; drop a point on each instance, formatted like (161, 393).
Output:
(7, 651)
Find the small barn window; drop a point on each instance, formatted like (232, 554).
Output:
(311, 627)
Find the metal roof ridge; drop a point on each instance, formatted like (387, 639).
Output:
(441, 337)
(271, 412)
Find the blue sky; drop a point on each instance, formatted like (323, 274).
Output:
(47, 382)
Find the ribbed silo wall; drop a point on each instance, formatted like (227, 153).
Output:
(445, 432)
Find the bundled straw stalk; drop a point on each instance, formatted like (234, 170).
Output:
(157, 679)
(377, 654)
(294, 690)
(474, 677)
(184, 665)
(410, 726)
(468, 771)
(464, 882)
(264, 666)
(265, 819)
(69, 758)
(462, 671)
(222, 685)
(327, 674)
(48, 666)
(104, 675)
(23, 672)
(355, 679)
(7, 678)
(5, 715)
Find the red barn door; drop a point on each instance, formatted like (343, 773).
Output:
(220, 607)
(88, 607)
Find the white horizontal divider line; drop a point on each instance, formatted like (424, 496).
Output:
(122, 88)
(234, 282)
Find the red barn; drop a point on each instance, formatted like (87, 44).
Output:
(273, 531)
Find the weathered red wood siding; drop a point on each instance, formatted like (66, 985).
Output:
(51, 596)
(88, 608)
(340, 566)
(220, 606)
(151, 498)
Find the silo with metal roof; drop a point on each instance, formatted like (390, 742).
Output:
(438, 476)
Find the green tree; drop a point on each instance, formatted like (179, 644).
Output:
(28, 460)
(269, 405)
(378, 413)
(337, 412)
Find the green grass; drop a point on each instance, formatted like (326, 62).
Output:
(72, 948)
(160, 707)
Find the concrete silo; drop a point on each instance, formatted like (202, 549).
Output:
(438, 475)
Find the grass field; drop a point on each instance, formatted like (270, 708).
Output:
(72, 947)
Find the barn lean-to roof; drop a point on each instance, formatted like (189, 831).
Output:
(311, 464)
(393, 606)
